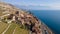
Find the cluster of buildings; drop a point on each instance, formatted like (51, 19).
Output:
(32, 23)
(24, 18)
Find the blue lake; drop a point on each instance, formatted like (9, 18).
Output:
(50, 17)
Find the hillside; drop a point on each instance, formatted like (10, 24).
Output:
(16, 21)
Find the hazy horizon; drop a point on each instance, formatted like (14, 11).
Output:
(36, 4)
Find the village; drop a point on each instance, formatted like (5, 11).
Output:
(24, 18)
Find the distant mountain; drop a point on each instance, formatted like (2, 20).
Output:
(31, 7)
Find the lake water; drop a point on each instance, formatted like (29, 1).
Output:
(50, 17)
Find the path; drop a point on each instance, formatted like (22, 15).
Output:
(14, 30)
(5, 15)
(6, 29)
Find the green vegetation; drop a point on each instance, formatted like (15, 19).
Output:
(21, 31)
(17, 28)
(11, 29)
(3, 26)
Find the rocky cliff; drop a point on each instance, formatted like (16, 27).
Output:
(11, 14)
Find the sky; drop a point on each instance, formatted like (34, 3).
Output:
(36, 4)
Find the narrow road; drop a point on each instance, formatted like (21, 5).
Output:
(14, 30)
(6, 29)
(5, 15)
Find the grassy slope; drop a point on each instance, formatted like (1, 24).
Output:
(11, 29)
(18, 30)
(21, 31)
(2, 26)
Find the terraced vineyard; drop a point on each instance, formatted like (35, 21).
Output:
(3, 26)
(13, 29)
(19, 30)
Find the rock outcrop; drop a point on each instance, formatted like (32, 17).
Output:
(24, 18)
